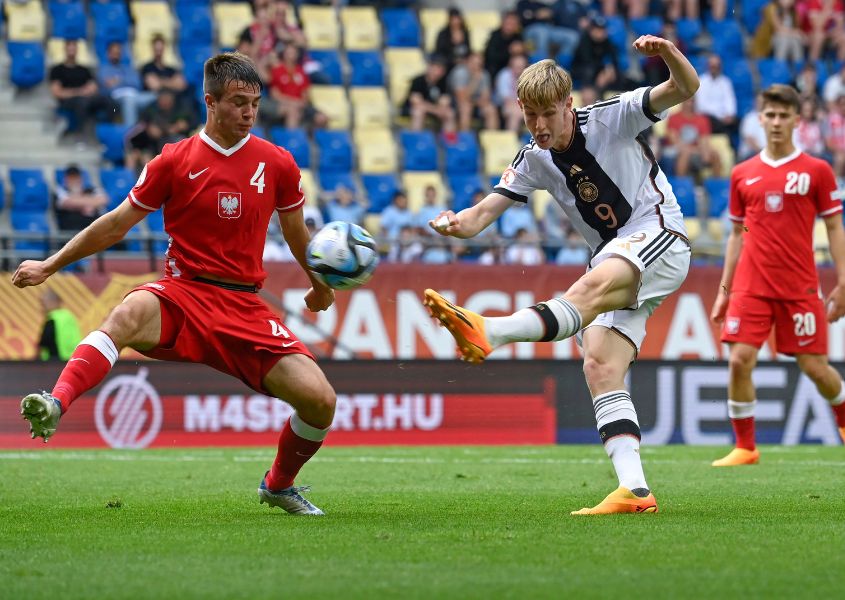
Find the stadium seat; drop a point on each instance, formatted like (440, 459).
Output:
(26, 21)
(718, 193)
(231, 18)
(380, 190)
(688, 29)
(27, 63)
(151, 18)
(370, 107)
(332, 101)
(69, 20)
(481, 23)
(330, 181)
(84, 56)
(727, 38)
(822, 70)
(401, 28)
(432, 21)
(617, 31)
(319, 24)
(329, 65)
(335, 150)
(194, 23)
(646, 26)
(752, 14)
(500, 148)
(113, 137)
(155, 223)
(772, 70)
(194, 56)
(821, 242)
(117, 183)
(361, 28)
(738, 70)
(462, 156)
(294, 141)
(419, 150)
(367, 68)
(29, 190)
(372, 223)
(111, 21)
(693, 227)
(464, 188)
(721, 144)
(86, 177)
(715, 229)
(403, 64)
(414, 184)
(376, 151)
(684, 189)
(309, 187)
(31, 222)
(538, 201)
(2, 195)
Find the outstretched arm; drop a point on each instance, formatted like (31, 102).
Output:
(99, 235)
(471, 221)
(683, 80)
(320, 296)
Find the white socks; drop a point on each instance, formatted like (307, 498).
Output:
(549, 321)
(103, 343)
(839, 398)
(619, 430)
(741, 410)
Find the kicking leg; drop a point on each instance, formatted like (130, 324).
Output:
(741, 403)
(829, 384)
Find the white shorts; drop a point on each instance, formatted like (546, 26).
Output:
(663, 260)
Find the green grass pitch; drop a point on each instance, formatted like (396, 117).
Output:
(465, 522)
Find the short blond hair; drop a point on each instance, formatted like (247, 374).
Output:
(543, 84)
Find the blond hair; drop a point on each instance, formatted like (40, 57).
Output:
(543, 84)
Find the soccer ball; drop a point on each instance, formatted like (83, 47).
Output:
(343, 255)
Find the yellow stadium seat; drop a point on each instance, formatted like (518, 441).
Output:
(721, 144)
(27, 22)
(693, 227)
(231, 18)
(370, 107)
(56, 52)
(361, 28)
(539, 200)
(716, 229)
(403, 64)
(481, 23)
(500, 148)
(142, 53)
(432, 21)
(376, 150)
(319, 23)
(372, 223)
(331, 100)
(309, 186)
(151, 19)
(576, 99)
(821, 244)
(415, 182)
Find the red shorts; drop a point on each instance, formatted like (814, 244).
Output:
(231, 331)
(800, 325)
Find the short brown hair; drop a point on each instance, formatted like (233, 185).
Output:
(544, 83)
(778, 93)
(230, 66)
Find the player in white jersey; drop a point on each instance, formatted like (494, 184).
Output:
(599, 168)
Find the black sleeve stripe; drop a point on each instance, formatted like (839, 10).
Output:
(647, 106)
(509, 194)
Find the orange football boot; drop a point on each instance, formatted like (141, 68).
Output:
(465, 326)
(737, 457)
(621, 500)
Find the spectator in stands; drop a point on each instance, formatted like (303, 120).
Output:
(75, 88)
(436, 250)
(807, 81)
(752, 137)
(498, 52)
(470, 86)
(540, 29)
(77, 205)
(494, 254)
(589, 95)
(396, 216)
(834, 86)
(259, 39)
(778, 31)
(276, 248)
(428, 98)
(677, 9)
(453, 40)
(345, 207)
(286, 27)
(288, 90)
(809, 134)
(574, 251)
(430, 209)
(163, 122)
(524, 249)
(519, 216)
(406, 247)
(688, 133)
(716, 98)
(123, 84)
(504, 95)
(824, 23)
(571, 16)
(60, 332)
(835, 135)
(595, 60)
(157, 75)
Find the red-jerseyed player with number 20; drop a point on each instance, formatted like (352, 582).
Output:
(769, 278)
(218, 190)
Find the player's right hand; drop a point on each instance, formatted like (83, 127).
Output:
(30, 272)
(446, 223)
(319, 297)
(720, 307)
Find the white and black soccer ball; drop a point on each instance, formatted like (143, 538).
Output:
(343, 255)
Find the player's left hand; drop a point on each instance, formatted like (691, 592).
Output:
(651, 45)
(319, 297)
(835, 304)
(30, 272)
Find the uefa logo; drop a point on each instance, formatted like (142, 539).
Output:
(128, 411)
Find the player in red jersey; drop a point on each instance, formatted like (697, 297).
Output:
(769, 278)
(218, 190)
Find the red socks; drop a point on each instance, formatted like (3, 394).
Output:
(839, 413)
(298, 442)
(744, 432)
(88, 365)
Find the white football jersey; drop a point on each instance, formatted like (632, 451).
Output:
(607, 181)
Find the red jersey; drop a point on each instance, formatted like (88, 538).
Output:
(294, 84)
(778, 202)
(218, 203)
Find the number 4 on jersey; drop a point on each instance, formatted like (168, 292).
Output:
(258, 178)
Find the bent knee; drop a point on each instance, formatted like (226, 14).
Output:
(599, 373)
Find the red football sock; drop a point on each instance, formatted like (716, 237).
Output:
(88, 365)
(744, 431)
(294, 451)
(839, 413)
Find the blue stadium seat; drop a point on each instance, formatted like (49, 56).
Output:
(117, 183)
(294, 141)
(86, 177)
(33, 221)
(111, 21)
(463, 189)
(155, 223)
(772, 70)
(380, 190)
(259, 131)
(113, 137)
(401, 28)
(718, 193)
(752, 14)
(684, 189)
(646, 26)
(329, 181)
(335, 150)
(821, 70)
(2, 195)
(420, 150)
(30, 191)
(727, 38)
(330, 65)
(69, 20)
(462, 156)
(195, 20)
(367, 68)
(133, 245)
(617, 31)
(27, 69)
(688, 29)
(194, 56)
